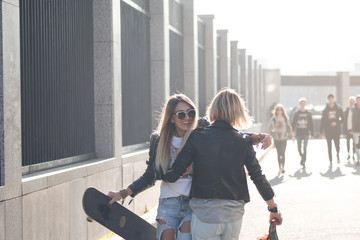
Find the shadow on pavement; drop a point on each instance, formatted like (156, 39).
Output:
(333, 174)
(301, 173)
(277, 180)
(357, 170)
(349, 164)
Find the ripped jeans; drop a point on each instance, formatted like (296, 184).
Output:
(174, 211)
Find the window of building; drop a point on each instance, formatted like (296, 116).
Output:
(57, 82)
(136, 74)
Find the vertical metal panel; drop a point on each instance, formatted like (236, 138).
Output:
(201, 68)
(135, 70)
(176, 63)
(202, 80)
(144, 4)
(175, 15)
(1, 105)
(57, 79)
(176, 47)
(218, 62)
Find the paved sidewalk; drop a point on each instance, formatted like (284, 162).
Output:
(317, 202)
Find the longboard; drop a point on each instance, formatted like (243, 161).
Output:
(115, 217)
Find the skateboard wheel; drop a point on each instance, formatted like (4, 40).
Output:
(89, 219)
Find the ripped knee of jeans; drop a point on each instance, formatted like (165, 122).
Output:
(161, 221)
(183, 236)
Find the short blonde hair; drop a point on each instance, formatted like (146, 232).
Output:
(228, 106)
(302, 100)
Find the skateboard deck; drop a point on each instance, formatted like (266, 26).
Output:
(115, 217)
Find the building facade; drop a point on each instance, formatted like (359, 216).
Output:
(82, 84)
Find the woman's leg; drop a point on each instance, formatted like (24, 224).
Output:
(184, 231)
(283, 153)
(357, 150)
(278, 150)
(328, 140)
(168, 234)
(168, 218)
(202, 231)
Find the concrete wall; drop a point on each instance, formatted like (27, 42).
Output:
(48, 204)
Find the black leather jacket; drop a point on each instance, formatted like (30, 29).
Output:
(150, 176)
(220, 153)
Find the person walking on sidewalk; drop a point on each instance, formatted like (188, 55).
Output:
(347, 128)
(332, 117)
(177, 121)
(302, 125)
(356, 127)
(219, 189)
(281, 128)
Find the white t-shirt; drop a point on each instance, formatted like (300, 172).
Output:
(181, 186)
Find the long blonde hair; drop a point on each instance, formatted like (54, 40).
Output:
(228, 106)
(166, 130)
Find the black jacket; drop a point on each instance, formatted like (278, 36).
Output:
(356, 119)
(302, 123)
(151, 174)
(330, 115)
(219, 153)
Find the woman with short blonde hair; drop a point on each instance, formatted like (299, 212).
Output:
(229, 107)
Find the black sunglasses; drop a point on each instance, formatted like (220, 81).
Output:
(181, 114)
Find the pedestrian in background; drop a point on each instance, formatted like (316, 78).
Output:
(348, 128)
(332, 117)
(356, 127)
(280, 126)
(302, 125)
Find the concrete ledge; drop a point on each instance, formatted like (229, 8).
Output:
(135, 156)
(48, 178)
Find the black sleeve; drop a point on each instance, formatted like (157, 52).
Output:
(254, 169)
(148, 179)
(247, 136)
(294, 121)
(181, 163)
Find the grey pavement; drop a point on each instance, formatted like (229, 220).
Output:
(316, 202)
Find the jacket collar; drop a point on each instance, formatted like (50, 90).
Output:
(221, 124)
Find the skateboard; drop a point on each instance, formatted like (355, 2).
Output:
(115, 217)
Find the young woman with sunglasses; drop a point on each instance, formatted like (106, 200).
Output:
(178, 120)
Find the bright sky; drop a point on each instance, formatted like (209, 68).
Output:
(296, 36)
